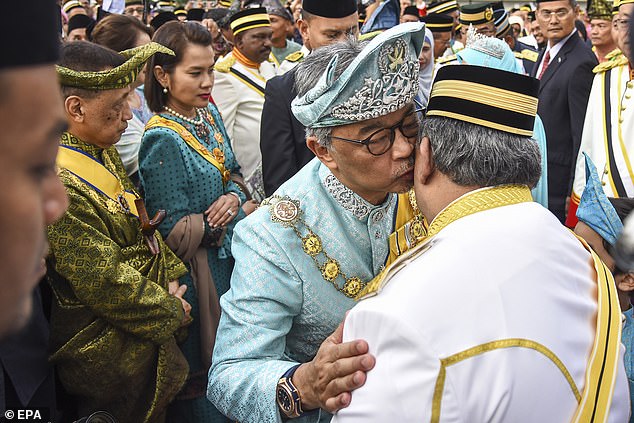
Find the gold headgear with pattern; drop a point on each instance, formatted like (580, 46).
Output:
(600, 9)
(115, 78)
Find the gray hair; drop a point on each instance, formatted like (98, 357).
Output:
(473, 155)
(310, 70)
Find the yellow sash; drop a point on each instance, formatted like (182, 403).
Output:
(409, 227)
(604, 357)
(97, 176)
(191, 141)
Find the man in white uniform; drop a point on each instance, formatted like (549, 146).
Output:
(608, 130)
(238, 90)
(493, 318)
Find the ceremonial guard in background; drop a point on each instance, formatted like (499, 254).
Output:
(240, 78)
(608, 130)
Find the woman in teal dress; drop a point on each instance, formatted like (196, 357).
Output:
(188, 169)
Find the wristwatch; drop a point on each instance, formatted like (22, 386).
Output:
(287, 395)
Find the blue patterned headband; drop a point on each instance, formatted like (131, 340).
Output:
(383, 78)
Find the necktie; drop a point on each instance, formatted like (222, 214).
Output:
(545, 65)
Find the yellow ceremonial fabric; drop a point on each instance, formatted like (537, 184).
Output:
(409, 227)
(97, 175)
(113, 323)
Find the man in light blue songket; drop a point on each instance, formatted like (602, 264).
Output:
(305, 254)
(494, 53)
(601, 225)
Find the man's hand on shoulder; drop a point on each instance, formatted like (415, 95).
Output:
(338, 369)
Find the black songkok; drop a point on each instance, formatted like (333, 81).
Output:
(195, 15)
(488, 97)
(437, 22)
(79, 21)
(32, 34)
(330, 8)
(162, 18)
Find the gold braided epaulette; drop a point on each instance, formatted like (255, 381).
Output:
(296, 56)
(614, 53)
(615, 61)
(529, 55)
(225, 64)
(444, 60)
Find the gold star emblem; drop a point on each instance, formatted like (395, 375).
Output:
(352, 287)
(330, 270)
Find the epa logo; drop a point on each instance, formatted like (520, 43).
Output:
(23, 414)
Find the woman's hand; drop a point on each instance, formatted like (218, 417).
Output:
(222, 211)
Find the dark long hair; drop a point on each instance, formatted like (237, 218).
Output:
(175, 36)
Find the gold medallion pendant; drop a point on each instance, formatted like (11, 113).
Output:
(219, 155)
(287, 212)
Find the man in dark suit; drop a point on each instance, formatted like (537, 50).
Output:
(282, 137)
(565, 70)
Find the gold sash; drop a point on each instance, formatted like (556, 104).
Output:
(191, 141)
(96, 175)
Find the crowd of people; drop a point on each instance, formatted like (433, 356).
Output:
(324, 210)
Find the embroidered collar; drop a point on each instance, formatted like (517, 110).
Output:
(479, 200)
(347, 198)
(72, 141)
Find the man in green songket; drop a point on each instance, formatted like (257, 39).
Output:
(118, 309)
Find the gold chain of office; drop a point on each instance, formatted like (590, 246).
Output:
(287, 212)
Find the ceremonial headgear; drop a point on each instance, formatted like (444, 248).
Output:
(383, 78)
(412, 11)
(162, 18)
(600, 9)
(133, 2)
(481, 50)
(274, 7)
(249, 19)
(488, 97)
(180, 11)
(498, 5)
(476, 14)
(615, 7)
(437, 22)
(34, 31)
(526, 8)
(330, 8)
(79, 21)
(195, 14)
(595, 210)
(70, 5)
(225, 3)
(443, 6)
(115, 78)
(502, 25)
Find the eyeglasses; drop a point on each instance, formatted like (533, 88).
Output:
(380, 141)
(130, 10)
(560, 13)
(622, 24)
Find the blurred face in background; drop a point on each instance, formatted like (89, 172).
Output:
(134, 10)
(441, 43)
(601, 32)
(623, 29)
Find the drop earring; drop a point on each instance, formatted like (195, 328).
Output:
(164, 90)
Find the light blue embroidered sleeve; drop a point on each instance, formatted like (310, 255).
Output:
(257, 314)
